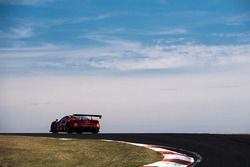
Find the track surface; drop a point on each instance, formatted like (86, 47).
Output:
(216, 150)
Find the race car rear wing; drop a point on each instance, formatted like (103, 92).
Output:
(88, 115)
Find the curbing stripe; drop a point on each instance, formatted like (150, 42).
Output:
(183, 162)
(177, 156)
(170, 158)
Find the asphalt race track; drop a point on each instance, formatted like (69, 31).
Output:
(215, 150)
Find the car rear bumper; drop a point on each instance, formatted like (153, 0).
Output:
(84, 129)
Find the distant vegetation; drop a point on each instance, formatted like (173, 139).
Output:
(38, 151)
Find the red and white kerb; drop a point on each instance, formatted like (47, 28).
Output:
(170, 158)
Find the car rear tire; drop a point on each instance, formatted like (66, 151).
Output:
(53, 128)
(54, 131)
(95, 131)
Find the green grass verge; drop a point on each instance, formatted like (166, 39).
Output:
(18, 151)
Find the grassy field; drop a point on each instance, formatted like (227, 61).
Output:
(17, 151)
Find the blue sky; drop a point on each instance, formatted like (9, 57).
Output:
(187, 49)
(60, 36)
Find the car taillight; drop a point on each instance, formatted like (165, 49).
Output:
(75, 124)
(98, 125)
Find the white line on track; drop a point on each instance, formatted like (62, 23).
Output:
(64, 139)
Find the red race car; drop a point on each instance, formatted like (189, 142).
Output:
(76, 123)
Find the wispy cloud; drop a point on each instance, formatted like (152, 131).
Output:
(47, 22)
(238, 20)
(22, 32)
(232, 35)
(17, 33)
(124, 55)
(63, 21)
(112, 41)
(236, 37)
(211, 19)
(173, 31)
(24, 2)
(160, 31)
(169, 57)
